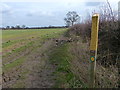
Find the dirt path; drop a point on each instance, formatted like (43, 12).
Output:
(42, 77)
(42, 70)
(35, 72)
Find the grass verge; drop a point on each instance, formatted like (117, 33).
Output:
(65, 78)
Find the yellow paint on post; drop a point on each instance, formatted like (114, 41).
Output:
(94, 34)
(93, 49)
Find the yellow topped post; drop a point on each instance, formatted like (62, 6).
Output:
(93, 49)
(94, 33)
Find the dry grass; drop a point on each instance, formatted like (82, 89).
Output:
(105, 77)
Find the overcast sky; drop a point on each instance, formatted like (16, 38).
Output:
(46, 12)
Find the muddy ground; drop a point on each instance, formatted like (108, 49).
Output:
(35, 72)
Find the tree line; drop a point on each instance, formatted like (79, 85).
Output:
(26, 27)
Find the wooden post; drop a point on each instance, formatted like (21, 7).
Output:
(93, 49)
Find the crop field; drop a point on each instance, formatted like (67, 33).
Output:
(49, 58)
(26, 34)
(13, 39)
(24, 54)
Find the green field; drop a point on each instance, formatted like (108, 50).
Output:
(12, 39)
(26, 34)
(23, 50)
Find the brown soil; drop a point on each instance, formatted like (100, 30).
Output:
(35, 72)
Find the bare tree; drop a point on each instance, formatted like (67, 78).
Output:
(72, 18)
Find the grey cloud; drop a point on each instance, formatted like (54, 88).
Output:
(5, 9)
(92, 3)
(40, 13)
(29, 14)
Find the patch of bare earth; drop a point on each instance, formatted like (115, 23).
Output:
(41, 75)
(35, 72)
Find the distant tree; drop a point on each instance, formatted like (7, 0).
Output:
(72, 18)
(8, 27)
(27, 27)
(17, 27)
(23, 26)
(12, 27)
